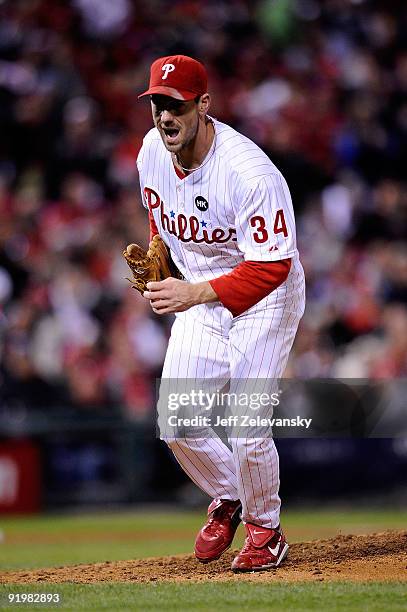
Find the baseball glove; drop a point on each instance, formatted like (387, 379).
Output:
(146, 266)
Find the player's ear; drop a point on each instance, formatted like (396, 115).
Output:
(203, 104)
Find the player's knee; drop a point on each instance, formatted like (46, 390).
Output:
(244, 444)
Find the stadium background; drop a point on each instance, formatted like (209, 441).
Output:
(321, 87)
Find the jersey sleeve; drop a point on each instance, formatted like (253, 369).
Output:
(265, 224)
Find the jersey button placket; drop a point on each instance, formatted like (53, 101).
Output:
(181, 204)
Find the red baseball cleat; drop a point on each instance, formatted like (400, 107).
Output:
(263, 549)
(218, 532)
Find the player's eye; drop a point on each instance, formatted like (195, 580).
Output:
(175, 108)
(172, 107)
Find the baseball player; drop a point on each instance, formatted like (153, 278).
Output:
(225, 213)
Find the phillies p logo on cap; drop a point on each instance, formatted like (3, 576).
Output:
(167, 68)
(177, 76)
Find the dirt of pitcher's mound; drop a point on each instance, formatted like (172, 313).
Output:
(376, 556)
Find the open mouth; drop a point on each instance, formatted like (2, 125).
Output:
(171, 134)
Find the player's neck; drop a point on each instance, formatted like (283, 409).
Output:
(192, 157)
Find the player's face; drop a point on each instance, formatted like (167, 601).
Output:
(177, 121)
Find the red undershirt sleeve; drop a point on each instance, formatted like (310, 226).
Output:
(153, 227)
(249, 283)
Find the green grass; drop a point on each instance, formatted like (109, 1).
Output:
(46, 541)
(221, 596)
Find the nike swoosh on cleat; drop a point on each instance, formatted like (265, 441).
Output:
(274, 551)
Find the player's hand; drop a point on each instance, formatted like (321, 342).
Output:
(173, 295)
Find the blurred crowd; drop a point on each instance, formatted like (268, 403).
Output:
(320, 85)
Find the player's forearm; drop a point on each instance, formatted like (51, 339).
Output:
(242, 288)
(249, 283)
(203, 293)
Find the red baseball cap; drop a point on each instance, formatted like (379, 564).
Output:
(177, 76)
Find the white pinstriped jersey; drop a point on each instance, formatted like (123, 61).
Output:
(235, 207)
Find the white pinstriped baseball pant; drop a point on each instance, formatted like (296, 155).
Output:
(215, 347)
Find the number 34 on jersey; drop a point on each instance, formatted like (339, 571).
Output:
(261, 233)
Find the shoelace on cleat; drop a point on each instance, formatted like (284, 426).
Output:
(247, 546)
(217, 516)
